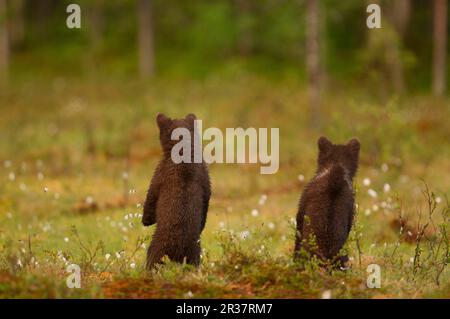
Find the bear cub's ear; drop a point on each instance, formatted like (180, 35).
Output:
(162, 120)
(354, 146)
(324, 144)
(190, 118)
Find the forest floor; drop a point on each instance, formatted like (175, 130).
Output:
(76, 160)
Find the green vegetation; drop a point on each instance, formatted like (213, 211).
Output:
(77, 158)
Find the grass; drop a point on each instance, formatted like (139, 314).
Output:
(77, 157)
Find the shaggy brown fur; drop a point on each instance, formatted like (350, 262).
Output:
(326, 206)
(177, 200)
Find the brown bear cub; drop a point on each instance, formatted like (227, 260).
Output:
(326, 208)
(177, 200)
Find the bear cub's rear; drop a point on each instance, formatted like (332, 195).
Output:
(326, 207)
(177, 200)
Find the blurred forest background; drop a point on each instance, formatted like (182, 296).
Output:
(197, 38)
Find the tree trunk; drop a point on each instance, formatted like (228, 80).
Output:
(313, 59)
(440, 47)
(401, 13)
(400, 16)
(245, 38)
(145, 38)
(17, 22)
(96, 22)
(4, 43)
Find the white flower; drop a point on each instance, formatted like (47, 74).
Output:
(375, 207)
(143, 245)
(117, 255)
(411, 260)
(372, 193)
(19, 263)
(386, 187)
(271, 225)
(126, 217)
(372, 246)
(366, 181)
(132, 265)
(367, 212)
(245, 234)
(384, 167)
(45, 189)
(213, 264)
(107, 256)
(89, 200)
(255, 212)
(438, 200)
(262, 200)
(301, 177)
(66, 239)
(189, 294)
(326, 294)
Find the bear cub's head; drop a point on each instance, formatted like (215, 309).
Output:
(167, 126)
(346, 155)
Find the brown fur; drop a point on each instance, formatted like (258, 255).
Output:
(328, 202)
(177, 201)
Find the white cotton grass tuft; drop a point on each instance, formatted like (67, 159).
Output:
(375, 207)
(66, 239)
(384, 167)
(271, 225)
(11, 176)
(45, 189)
(262, 199)
(326, 294)
(372, 193)
(301, 178)
(189, 294)
(255, 212)
(366, 181)
(245, 234)
(367, 212)
(107, 256)
(132, 265)
(438, 200)
(386, 188)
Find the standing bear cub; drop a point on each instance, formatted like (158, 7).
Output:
(326, 208)
(177, 200)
